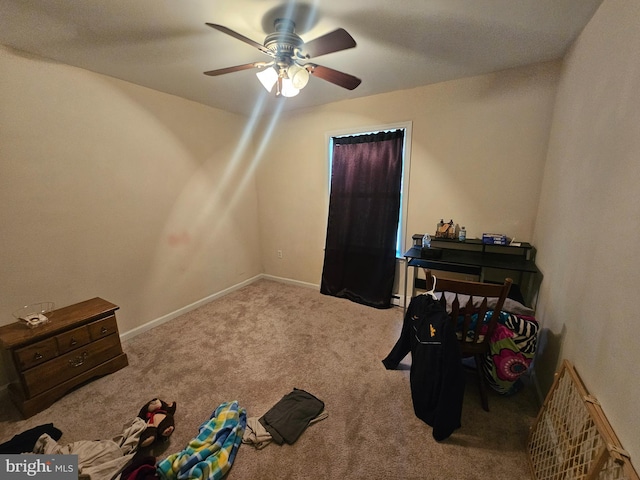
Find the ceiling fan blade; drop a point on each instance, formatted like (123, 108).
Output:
(242, 38)
(237, 68)
(334, 76)
(331, 42)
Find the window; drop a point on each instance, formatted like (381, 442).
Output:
(406, 154)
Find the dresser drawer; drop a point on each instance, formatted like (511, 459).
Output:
(72, 339)
(80, 342)
(36, 353)
(69, 365)
(103, 328)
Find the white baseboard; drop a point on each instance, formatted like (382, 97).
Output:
(290, 281)
(397, 300)
(181, 311)
(192, 306)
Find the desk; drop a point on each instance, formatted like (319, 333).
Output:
(471, 257)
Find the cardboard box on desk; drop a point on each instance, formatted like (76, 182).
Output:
(494, 239)
(446, 231)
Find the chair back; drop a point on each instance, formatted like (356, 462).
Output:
(468, 304)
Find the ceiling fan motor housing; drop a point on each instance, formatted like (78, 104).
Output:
(283, 42)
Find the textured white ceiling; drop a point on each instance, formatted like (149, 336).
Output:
(165, 45)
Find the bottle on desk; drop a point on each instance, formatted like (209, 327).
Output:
(462, 234)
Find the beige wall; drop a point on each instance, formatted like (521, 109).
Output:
(589, 220)
(477, 156)
(113, 190)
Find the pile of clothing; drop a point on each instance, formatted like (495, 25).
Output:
(97, 459)
(208, 456)
(285, 421)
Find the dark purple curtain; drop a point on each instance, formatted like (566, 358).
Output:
(364, 207)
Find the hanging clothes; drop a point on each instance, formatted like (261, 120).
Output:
(437, 376)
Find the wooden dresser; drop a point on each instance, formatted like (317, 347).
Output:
(80, 342)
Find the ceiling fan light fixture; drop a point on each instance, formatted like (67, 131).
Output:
(288, 89)
(268, 78)
(299, 76)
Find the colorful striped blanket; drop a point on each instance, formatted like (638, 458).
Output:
(511, 349)
(210, 455)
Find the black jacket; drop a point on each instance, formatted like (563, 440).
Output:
(437, 375)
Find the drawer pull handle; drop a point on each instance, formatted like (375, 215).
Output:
(104, 330)
(74, 342)
(38, 356)
(79, 360)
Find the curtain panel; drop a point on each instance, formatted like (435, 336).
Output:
(364, 208)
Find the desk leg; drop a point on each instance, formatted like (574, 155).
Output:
(406, 268)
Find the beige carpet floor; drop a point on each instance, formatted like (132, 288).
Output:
(258, 343)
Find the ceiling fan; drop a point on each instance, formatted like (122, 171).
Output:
(289, 68)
